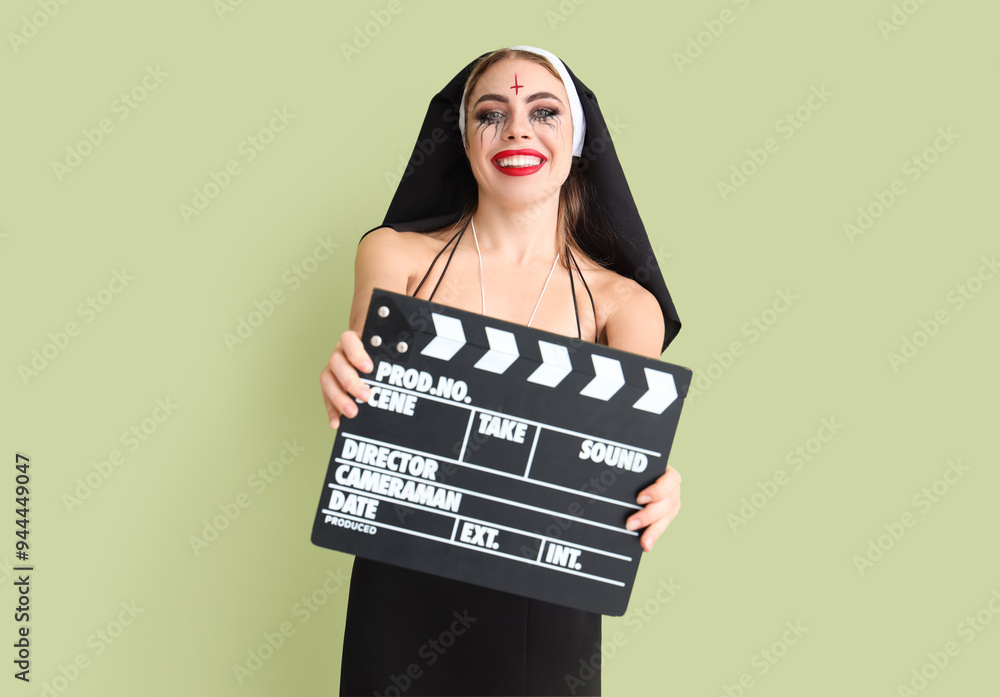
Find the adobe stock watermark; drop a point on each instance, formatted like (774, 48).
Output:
(661, 253)
(786, 126)
(971, 627)
(594, 490)
(121, 106)
(797, 458)
(561, 12)
(230, 510)
(913, 169)
(98, 641)
(599, 144)
(766, 659)
(88, 310)
(370, 30)
(900, 15)
(430, 651)
(424, 148)
(895, 530)
(225, 7)
(700, 42)
(293, 278)
(754, 328)
(131, 438)
(958, 296)
(636, 618)
(221, 179)
(304, 609)
(34, 23)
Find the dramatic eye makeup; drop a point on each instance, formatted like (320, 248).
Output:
(544, 113)
(490, 116)
(494, 117)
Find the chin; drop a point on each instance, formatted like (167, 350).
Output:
(522, 202)
(517, 191)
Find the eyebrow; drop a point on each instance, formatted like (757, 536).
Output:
(503, 98)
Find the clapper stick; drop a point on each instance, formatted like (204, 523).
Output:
(498, 454)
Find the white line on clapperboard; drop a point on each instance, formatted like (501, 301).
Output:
(481, 495)
(478, 549)
(536, 424)
(458, 517)
(497, 472)
(534, 443)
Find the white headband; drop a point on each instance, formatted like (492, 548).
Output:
(575, 107)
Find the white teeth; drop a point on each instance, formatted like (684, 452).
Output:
(520, 161)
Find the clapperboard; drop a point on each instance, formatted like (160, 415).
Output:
(500, 455)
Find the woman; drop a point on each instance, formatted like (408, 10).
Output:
(524, 164)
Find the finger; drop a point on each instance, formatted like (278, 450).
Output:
(653, 532)
(335, 399)
(331, 412)
(347, 377)
(664, 485)
(651, 513)
(338, 400)
(355, 351)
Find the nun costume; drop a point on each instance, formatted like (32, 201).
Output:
(411, 633)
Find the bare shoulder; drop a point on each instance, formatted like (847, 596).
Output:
(394, 251)
(629, 316)
(397, 257)
(614, 292)
(384, 242)
(389, 260)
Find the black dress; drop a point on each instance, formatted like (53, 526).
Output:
(411, 633)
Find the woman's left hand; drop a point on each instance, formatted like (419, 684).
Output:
(663, 501)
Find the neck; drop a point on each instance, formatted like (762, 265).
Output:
(518, 234)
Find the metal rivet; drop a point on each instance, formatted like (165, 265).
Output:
(376, 341)
(383, 311)
(402, 346)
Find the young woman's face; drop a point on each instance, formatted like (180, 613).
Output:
(519, 132)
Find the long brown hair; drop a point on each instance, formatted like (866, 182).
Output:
(573, 195)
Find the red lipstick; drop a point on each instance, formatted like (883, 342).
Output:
(518, 171)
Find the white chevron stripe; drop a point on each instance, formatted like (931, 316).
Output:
(450, 338)
(503, 351)
(608, 378)
(555, 365)
(662, 392)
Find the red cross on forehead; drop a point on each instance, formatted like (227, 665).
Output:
(516, 86)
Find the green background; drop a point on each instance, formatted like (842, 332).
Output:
(681, 127)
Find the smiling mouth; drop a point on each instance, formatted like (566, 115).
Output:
(519, 162)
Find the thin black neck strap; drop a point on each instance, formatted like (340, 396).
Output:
(572, 291)
(589, 294)
(455, 237)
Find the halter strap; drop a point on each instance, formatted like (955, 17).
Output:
(455, 237)
(573, 288)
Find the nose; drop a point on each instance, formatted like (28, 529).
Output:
(517, 127)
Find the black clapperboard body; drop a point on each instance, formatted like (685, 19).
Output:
(499, 455)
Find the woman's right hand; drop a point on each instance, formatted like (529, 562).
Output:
(340, 381)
